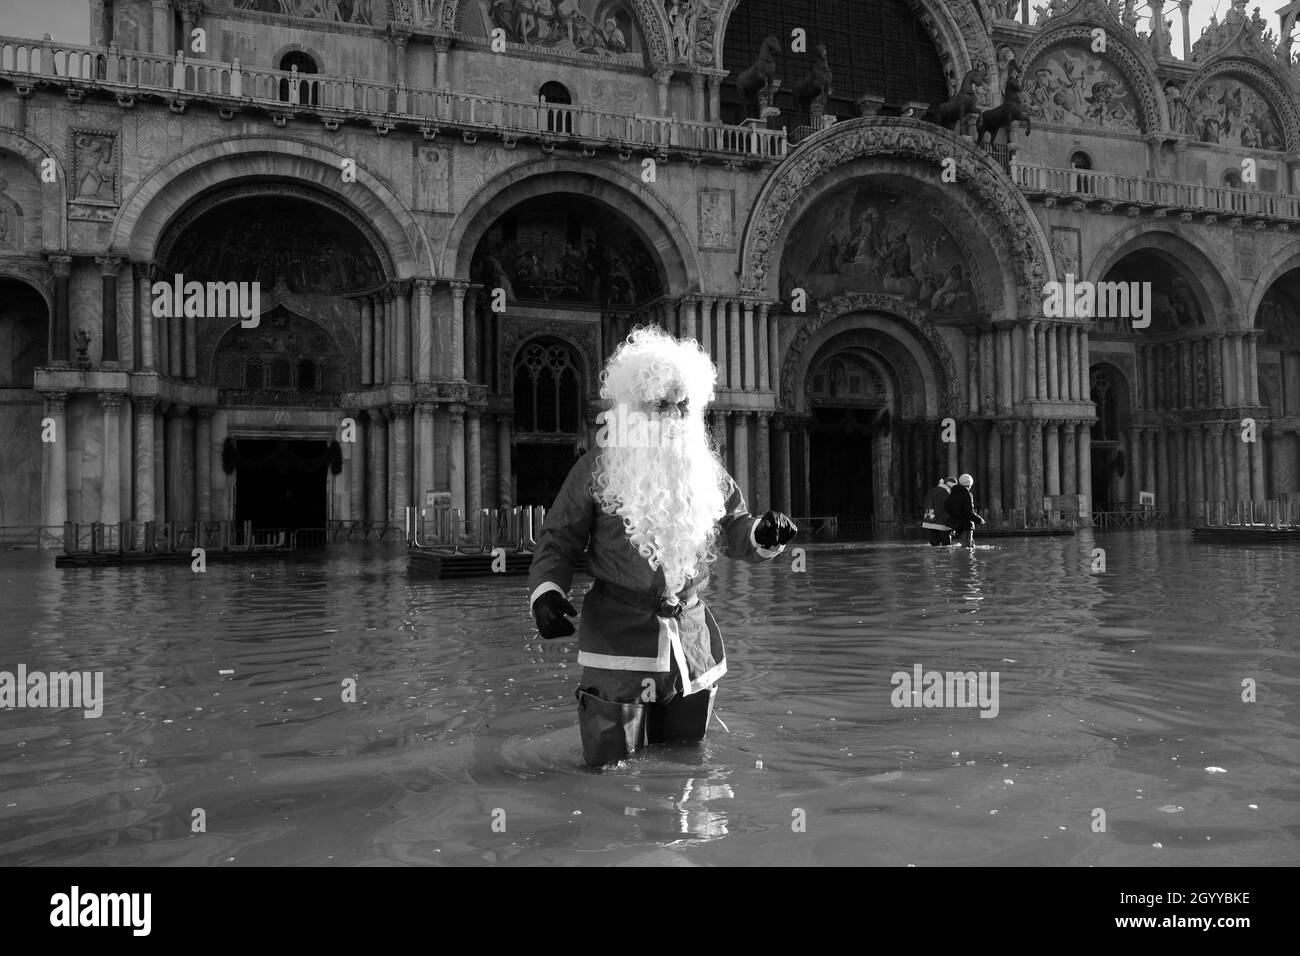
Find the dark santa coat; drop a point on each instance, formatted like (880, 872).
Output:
(619, 628)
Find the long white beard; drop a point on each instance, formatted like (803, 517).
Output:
(670, 497)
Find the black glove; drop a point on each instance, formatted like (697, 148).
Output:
(774, 529)
(549, 610)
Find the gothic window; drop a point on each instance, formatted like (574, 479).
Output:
(280, 373)
(548, 394)
(306, 89)
(254, 376)
(306, 376)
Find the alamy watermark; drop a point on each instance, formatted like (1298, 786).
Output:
(208, 300)
(621, 427)
(1102, 300)
(952, 689)
(33, 689)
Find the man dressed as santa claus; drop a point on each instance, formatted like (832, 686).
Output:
(653, 507)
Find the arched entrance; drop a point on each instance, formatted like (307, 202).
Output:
(1109, 391)
(24, 334)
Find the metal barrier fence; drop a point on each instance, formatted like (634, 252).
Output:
(445, 529)
(162, 537)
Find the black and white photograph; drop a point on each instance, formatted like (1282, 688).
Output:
(651, 433)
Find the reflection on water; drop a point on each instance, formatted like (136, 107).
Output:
(224, 692)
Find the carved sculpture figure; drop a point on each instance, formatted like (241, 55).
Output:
(952, 113)
(679, 17)
(758, 78)
(816, 86)
(995, 120)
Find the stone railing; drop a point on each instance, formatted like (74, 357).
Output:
(1091, 186)
(337, 98)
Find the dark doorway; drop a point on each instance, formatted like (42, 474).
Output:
(281, 484)
(840, 463)
(540, 470)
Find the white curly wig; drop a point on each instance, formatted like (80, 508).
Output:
(670, 495)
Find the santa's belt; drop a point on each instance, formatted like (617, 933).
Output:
(640, 599)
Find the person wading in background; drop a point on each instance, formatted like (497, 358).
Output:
(652, 506)
(934, 518)
(960, 507)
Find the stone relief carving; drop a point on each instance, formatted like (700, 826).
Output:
(94, 166)
(1236, 102)
(1072, 86)
(897, 139)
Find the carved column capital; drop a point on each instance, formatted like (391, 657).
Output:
(397, 412)
(144, 404)
(458, 289)
(109, 265)
(61, 266)
(141, 270)
(175, 411)
(423, 285)
(55, 401)
(204, 413)
(110, 401)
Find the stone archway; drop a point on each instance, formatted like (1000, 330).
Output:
(146, 213)
(650, 15)
(910, 148)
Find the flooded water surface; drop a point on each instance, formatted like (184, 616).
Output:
(1121, 736)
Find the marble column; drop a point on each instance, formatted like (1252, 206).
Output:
(402, 304)
(379, 309)
(175, 438)
(740, 452)
(766, 368)
(1240, 374)
(378, 467)
(1242, 455)
(1252, 368)
(109, 267)
(763, 496)
(504, 497)
(734, 380)
(1149, 465)
(190, 323)
(1196, 454)
(1179, 475)
(715, 100)
(220, 480)
(474, 465)
(61, 332)
(1077, 376)
(366, 313)
(1020, 496)
(1070, 459)
(1043, 366)
(1021, 363)
(1005, 368)
(748, 363)
(175, 346)
(472, 334)
(423, 330)
(1035, 469)
(1225, 461)
(1085, 465)
(54, 464)
(1165, 489)
(458, 290)
(161, 513)
(441, 45)
(1052, 451)
(1258, 486)
(706, 328)
(422, 457)
(203, 463)
(1185, 379)
(110, 500)
(783, 496)
(972, 373)
(144, 464)
(145, 324)
(993, 466)
(1211, 458)
(402, 462)
(1132, 467)
(357, 466)
(162, 28)
(456, 454)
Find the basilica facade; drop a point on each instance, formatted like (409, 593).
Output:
(454, 210)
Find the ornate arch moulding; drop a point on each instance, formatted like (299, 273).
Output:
(147, 213)
(1265, 81)
(579, 336)
(651, 17)
(908, 317)
(191, 214)
(1122, 49)
(54, 196)
(35, 273)
(895, 138)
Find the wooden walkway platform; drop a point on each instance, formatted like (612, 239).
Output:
(473, 564)
(1246, 534)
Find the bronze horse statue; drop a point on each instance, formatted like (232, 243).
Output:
(951, 114)
(759, 76)
(816, 86)
(1001, 117)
